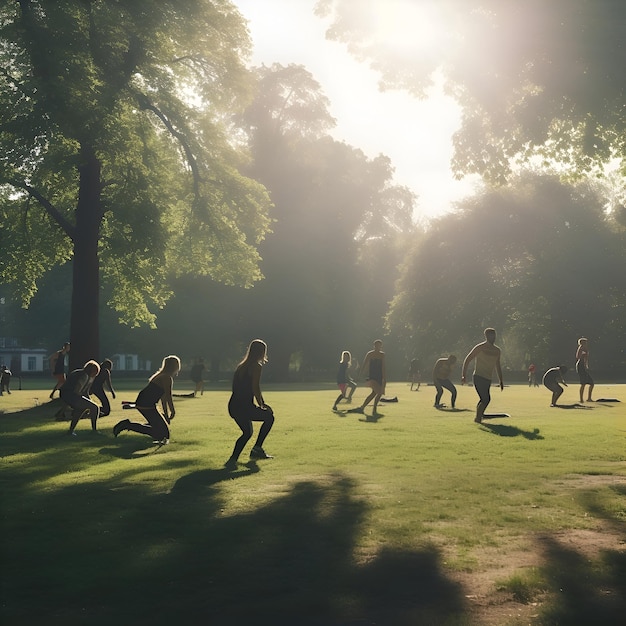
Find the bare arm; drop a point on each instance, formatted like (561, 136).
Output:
(468, 359)
(166, 399)
(499, 372)
(256, 385)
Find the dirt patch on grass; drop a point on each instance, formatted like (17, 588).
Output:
(491, 601)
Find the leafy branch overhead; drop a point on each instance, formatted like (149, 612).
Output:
(536, 80)
(113, 125)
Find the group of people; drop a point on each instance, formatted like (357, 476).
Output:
(247, 405)
(76, 389)
(486, 355)
(555, 376)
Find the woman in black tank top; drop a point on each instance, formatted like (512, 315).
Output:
(159, 387)
(246, 390)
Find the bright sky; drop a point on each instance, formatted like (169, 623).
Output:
(415, 135)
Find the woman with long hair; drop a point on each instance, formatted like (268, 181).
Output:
(159, 387)
(246, 390)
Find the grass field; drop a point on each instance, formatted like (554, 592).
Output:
(420, 517)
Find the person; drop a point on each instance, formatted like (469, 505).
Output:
(415, 375)
(532, 375)
(582, 368)
(75, 393)
(5, 380)
(374, 364)
(159, 387)
(57, 366)
(343, 379)
(102, 383)
(551, 380)
(246, 389)
(441, 379)
(196, 375)
(487, 356)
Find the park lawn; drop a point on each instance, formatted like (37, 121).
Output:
(419, 517)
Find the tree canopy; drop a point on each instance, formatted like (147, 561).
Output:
(114, 151)
(535, 79)
(536, 259)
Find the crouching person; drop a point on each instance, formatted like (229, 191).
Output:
(75, 393)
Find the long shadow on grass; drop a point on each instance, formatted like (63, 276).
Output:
(504, 430)
(117, 553)
(584, 590)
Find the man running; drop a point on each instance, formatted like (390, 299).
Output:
(487, 356)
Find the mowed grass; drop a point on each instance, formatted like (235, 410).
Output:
(395, 521)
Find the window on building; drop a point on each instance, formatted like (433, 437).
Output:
(129, 362)
(31, 364)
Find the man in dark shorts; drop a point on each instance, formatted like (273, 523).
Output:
(441, 379)
(487, 356)
(551, 380)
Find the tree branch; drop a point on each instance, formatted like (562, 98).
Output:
(50, 209)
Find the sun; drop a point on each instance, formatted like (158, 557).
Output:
(408, 25)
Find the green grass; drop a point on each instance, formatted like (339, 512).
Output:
(353, 522)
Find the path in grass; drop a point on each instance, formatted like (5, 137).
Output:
(420, 516)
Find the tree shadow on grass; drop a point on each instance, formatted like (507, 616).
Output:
(504, 430)
(584, 591)
(128, 555)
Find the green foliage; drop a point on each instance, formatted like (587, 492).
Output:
(141, 91)
(536, 260)
(534, 79)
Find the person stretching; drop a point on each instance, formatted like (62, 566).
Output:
(551, 380)
(246, 389)
(159, 387)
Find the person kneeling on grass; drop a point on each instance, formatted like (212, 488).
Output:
(551, 380)
(75, 393)
(159, 387)
(241, 407)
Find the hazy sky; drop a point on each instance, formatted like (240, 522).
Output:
(414, 134)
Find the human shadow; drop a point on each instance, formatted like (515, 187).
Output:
(446, 409)
(504, 430)
(576, 405)
(371, 418)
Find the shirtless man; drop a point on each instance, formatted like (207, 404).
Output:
(487, 356)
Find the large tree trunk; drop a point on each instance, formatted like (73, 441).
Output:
(84, 321)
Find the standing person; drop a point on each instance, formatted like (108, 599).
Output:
(246, 389)
(551, 380)
(415, 375)
(343, 379)
(582, 368)
(441, 379)
(197, 376)
(57, 366)
(5, 380)
(101, 384)
(532, 375)
(159, 387)
(487, 356)
(374, 364)
(75, 392)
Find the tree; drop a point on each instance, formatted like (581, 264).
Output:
(534, 78)
(330, 200)
(536, 260)
(114, 152)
